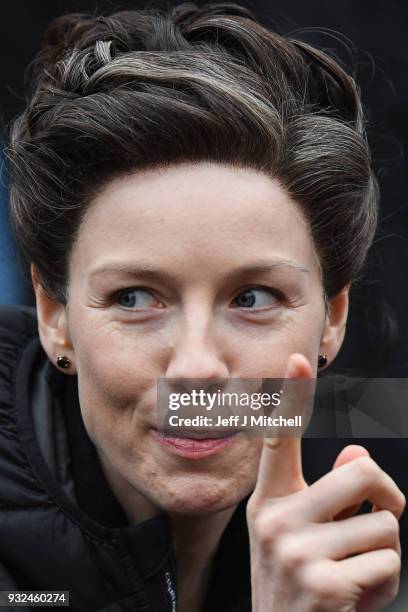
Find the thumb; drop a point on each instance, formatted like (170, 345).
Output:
(349, 453)
(280, 470)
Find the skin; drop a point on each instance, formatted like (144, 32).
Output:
(308, 551)
(198, 223)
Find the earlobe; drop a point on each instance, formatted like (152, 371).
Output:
(335, 324)
(52, 323)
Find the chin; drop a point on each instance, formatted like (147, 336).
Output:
(201, 497)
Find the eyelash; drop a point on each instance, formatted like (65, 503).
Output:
(113, 297)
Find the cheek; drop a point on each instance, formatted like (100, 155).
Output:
(116, 381)
(119, 358)
(266, 354)
(245, 469)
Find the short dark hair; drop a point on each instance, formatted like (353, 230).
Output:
(160, 86)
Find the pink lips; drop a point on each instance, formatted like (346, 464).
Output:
(193, 448)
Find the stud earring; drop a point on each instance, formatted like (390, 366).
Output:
(63, 361)
(322, 361)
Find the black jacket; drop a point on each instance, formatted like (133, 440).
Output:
(61, 527)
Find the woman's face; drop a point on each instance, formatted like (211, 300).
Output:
(219, 278)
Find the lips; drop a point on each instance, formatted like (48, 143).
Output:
(198, 434)
(195, 444)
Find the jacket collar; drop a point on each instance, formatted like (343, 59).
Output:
(107, 524)
(144, 549)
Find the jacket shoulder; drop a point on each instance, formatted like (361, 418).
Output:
(17, 323)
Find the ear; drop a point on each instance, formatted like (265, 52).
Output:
(52, 324)
(335, 324)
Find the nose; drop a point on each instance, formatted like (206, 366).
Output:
(197, 361)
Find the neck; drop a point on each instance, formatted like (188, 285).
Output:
(196, 539)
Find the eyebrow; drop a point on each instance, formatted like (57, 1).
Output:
(153, 272)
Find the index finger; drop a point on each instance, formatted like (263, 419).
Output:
(280, 470)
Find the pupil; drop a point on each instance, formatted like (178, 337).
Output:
(128, 299)
(248, 299)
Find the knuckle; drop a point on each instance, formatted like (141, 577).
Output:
(391, 571)
(318, 583)
(269, 527)
(402, 502)
(390, 523)
(393, 589)
(366, 467)
(392, 585)
(280, 523)
(393, 566)
(290, 553)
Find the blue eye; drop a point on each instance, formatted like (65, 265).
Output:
(260, 298)
(137, 297)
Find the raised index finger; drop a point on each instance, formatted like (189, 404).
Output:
(280, 469)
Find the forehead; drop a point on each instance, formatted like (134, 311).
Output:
(211, 212)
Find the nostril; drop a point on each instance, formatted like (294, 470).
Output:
(187, 385)
(213, 388)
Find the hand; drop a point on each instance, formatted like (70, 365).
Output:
(309, 552)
